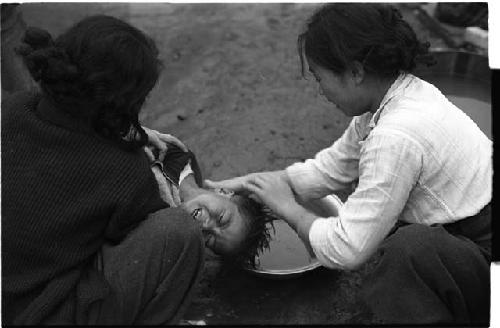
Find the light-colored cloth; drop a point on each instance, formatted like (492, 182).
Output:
(169, 190)
(419, 159)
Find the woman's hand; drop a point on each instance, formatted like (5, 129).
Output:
(160, 140)
(239, 184)
(273, 189)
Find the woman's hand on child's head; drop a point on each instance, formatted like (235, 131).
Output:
(160, 141)
(240, 184)
(273, 189)
(236, 185)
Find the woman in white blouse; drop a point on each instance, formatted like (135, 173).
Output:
(421, 162)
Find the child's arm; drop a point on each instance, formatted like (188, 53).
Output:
(188, 188)
(175, 161)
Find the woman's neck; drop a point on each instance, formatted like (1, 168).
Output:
(380, 87)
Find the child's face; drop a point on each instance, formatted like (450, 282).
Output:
(223, 225)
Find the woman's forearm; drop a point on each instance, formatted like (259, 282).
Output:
(301, 220)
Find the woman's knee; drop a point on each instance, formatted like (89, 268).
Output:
(427, 246)
(412, 241)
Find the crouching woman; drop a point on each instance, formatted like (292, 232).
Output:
(422, 205)
(87, 238)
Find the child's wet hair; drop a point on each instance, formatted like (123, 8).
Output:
(258, 219)
(372, 34)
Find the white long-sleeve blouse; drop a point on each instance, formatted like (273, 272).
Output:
(419, 159)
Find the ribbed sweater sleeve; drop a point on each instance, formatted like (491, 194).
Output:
(135, 204)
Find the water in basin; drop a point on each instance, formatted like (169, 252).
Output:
(287, 251)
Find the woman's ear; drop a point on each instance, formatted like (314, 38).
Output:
(357, 72)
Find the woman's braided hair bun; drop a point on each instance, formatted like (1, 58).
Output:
(401, 50)
(45, 62)
(99, 71)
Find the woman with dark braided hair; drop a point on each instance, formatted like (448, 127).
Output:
(86, 236)
(424, 172)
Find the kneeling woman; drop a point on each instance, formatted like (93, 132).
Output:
(420, 161)
(86, 237)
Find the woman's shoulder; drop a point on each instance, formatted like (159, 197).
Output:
(420, 101)
(132, 164)
(423, 95)
(25, 99)
(17, 111)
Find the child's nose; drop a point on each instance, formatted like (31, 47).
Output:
(208, 224)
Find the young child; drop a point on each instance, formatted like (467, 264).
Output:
(234, 226)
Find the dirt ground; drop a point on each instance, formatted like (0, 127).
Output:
(232, 90)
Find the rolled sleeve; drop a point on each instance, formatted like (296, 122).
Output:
(389, 168)
(307, 181)
(334, 255)
(332, 169)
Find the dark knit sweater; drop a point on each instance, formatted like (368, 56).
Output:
(65, 191)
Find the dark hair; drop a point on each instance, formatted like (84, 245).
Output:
(373, 34)
(100, 70)
(259, 223)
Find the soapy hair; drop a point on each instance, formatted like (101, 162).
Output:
(99, 71)
(373, 34)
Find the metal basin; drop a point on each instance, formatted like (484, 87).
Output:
(465, 78)
(459, 65)
(287, 256)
